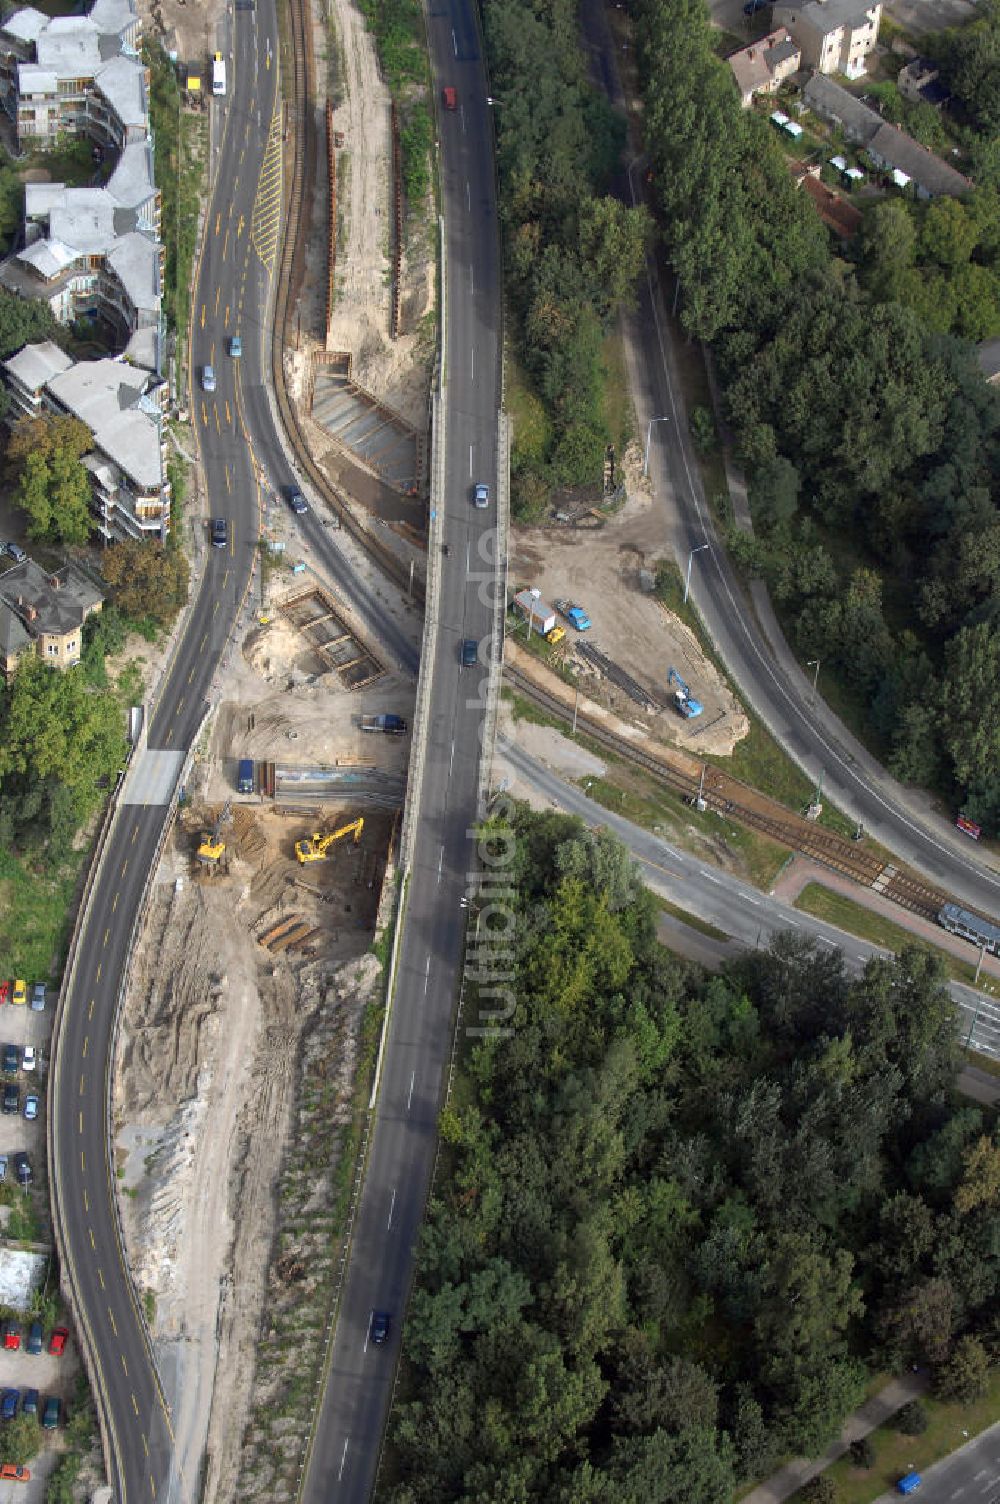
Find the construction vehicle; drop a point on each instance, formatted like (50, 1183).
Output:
(684, 703)
(316, 848)
(212, 846)
(556, 635)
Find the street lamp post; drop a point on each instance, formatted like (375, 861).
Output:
(814, 664)
(687, 581)
(649, 435)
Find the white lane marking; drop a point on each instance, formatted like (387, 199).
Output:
(711, 879)
(470, 461)
(409, 1099)
(473, 363)
(461, 112)
(754, 901)
(472, 281)
(427, 974)
(392, 1208)
(468, 197)
(451, 760)
(343, 1457)
(468, 558)
(823, 940)
(440, 863)
(454, 41)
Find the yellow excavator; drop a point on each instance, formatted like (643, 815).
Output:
(212, 845)
(316, 848)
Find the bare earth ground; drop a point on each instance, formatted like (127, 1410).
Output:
(395, 371)
(206, 1092)
(600, 570)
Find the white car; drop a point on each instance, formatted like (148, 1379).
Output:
(29, 1059)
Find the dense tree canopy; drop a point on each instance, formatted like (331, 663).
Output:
(674, 1216)
(872, 441)
(573, 252)
(59, 742)
(146, 582)
(53, 487)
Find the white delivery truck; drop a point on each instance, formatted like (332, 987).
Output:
(218, 74)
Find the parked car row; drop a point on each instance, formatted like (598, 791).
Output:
(17, 992)
(11, 1400)
(34, 1340)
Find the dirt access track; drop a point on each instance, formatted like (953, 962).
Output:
(601, 569)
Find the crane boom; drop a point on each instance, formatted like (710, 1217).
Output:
(316, 848)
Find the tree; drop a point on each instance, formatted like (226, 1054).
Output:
(23, 320)
(774, 493)
(52, 485)
(910, 1419)
(981, 1179)
(20, 1439)
(58, 741)
(888, 248)
(970, 703)
(949, 233)
(964, 1375)
(613, 249)
(863, 1453)
(146, 581)
(819, 1490)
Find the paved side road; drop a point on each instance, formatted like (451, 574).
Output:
(969, 1476)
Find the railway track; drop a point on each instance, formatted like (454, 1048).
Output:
(728, 796)
(290, 276)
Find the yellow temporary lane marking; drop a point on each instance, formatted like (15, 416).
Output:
(124, 1365)
(218, 426)
(90, 1010)
(124, 867)
(86, 1045)
(229, 480)
(135, 1404)
(114, 902)
(203, 315)
(204, 414)
(169, 734)
(100, 1276)
(218, 221)
(218, 295)
(145, 1446)
(135, 832)
(225, 318)
(239, 226)
(86, 1206)
(107, 934)
(83, 1163)
(215, 608)
(190, 676)
(83, 1084)
(100, 968)
(229, 416)
(111, 1318)
(180, 706)
(203, 642)
(93, 1240)
(225, 577)
(225, 245)
(152, 1485)
(80, 1130)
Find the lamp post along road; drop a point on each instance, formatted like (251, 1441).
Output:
(687, 581)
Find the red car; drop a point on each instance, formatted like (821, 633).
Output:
(4, 992)
(450, 97)
(11, 1333)
(11, 1470)
(58, 1340)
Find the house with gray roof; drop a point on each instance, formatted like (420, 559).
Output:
(761, 67)
(912, 164)
(835, 36)
(44, 613)
(122, 405)
(834, 104)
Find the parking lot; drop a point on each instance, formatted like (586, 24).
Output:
(20, 1026)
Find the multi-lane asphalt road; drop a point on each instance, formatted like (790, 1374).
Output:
(404, 1134)
(244, 466)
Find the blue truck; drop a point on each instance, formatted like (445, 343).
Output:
(575, 615)
(244, 776)
(909, 1484)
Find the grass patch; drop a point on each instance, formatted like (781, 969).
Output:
(988, 1063)
(692, 921)
(180, 177)
(619, 417)
(853, 917)
(34, 916)
(948, 1424)
(530, 421)
(149, 1305)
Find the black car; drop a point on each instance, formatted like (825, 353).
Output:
(33, 1341)
(11, 1097)
(22, 1168)
(470, 652)
(11, 1060)
(220, 532)
(52, 1413)
(379, 1327)
(29, 1402)
(296, 500)
(753, 6)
